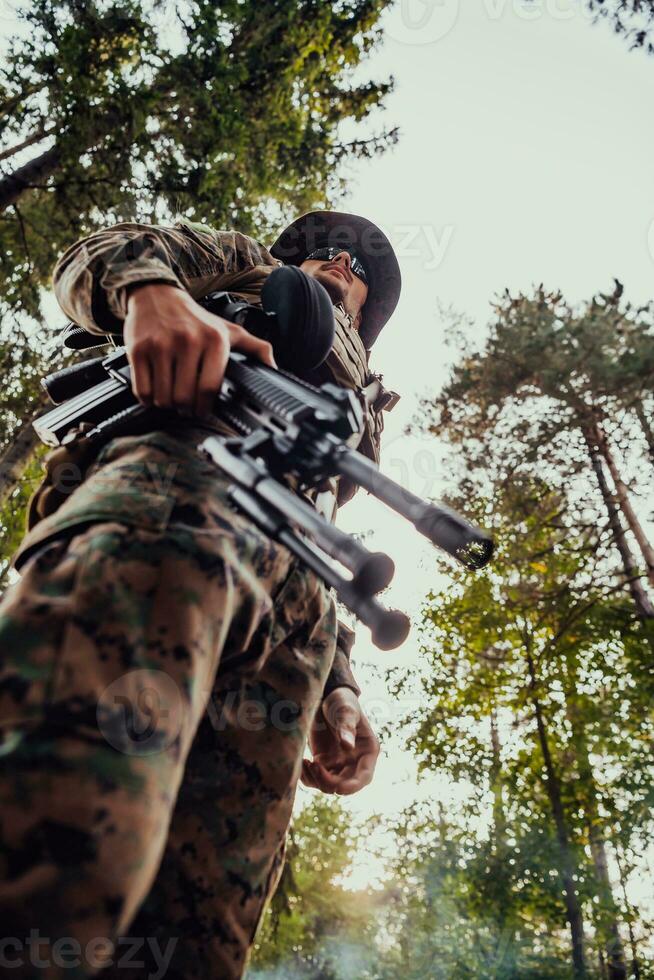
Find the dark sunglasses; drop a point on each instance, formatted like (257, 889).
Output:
(328, 254)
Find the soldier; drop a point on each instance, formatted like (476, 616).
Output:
(164, 663)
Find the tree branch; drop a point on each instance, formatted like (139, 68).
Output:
(34, 138)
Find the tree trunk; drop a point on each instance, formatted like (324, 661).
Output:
(625, 504)
(635, 963)
(499, 818)
(648, 432)
(18, 453)
(615, 963)
(644, 607)
(506, 964)
(617, 967)
(567, 863)
(38, 169)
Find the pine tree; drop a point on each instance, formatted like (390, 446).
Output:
(555, 385)
(100, 120)
(235, 122)
(543, 645)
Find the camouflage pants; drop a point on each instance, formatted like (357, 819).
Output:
(162, 661)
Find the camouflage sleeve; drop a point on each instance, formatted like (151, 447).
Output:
(341, 673)
(92, 277)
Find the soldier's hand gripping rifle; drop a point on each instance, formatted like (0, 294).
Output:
(287, 429)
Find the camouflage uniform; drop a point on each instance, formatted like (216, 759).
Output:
(162, 664)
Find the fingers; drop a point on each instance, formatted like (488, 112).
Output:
(185, 377)
(362, 777)
(212, 370)
(346, 753)
(307, 776)
(189, 378)
(343, 772)
(313, 776)
(346, 781)
(213, 362)
(141, 371)
(162, 377)
(345, 727)
(342, 712)
(249, 344)
(178, 351)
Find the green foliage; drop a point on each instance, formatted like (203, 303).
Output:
(12, 514)
(499, 910)
(448, 910)
(538, 672)
(548, 383)
(234, 122)
(594, 361)
(124, 110)
(315, 927)
(21, 368)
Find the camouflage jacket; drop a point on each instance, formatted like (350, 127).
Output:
(91, 282)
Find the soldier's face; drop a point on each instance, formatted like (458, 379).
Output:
(339, 280)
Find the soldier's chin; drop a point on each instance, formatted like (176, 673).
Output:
(335, 285)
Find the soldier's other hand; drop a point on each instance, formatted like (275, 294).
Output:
(344, 746)
(178, 351)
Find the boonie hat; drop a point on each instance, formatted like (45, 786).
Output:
(321, 229)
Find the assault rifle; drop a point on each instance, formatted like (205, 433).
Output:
(286, 428)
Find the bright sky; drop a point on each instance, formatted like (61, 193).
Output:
(526, 155)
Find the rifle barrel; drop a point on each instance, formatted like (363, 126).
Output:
(389, 627)
(444, 527)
